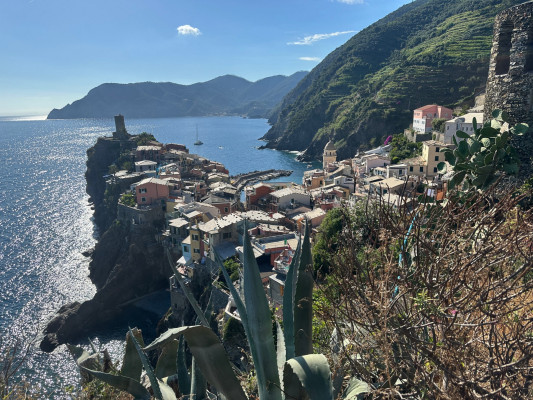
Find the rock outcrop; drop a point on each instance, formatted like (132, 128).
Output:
(127, 262)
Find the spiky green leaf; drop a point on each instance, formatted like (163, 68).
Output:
(198, 382)
(167, 361)
(288, 302)
(280, 352)
(210, 356)
(260, 326)
(131, 363)
(356, 389)
(133, 387)
(181, 365)
(303, 300)
(442, 168)
(148, 368)
(310, 373)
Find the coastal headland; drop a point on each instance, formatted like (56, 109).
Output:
(128, 262)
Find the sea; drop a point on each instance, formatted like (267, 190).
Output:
(46, 223)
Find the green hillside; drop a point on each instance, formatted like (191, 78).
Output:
(426, 52)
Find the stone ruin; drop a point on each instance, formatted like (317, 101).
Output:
(510, 81)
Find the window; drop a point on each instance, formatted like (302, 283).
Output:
(226, 209)
(436, 158)
(195, 237)
(421, 169)
(435, 169)
(226, 235)
(503, 59)
(437, 149)
(400, 172)
(196, 251)
(142, 190)
(143, 199)
(186, 249)
(411, 168)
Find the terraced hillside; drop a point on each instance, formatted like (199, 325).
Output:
(428, 51)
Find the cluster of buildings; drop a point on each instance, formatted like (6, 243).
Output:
(205, 218)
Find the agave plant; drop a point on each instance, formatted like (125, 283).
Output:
(285, 370)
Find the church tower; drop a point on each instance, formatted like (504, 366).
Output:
(330, 154)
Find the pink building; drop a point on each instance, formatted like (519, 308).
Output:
(423, 116)
(151, 191)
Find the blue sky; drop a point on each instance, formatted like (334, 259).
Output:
(55, 51)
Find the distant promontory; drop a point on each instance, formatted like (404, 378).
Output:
(225, 95)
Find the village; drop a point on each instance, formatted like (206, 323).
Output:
(205, 212)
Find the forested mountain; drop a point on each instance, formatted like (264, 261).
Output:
(227, 94)
(426, 52)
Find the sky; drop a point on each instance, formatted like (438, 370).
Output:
(54, 51)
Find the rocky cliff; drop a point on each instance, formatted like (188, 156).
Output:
(127, 262)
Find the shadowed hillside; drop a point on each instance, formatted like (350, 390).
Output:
(227, 94)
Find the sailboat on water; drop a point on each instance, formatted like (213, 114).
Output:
(198, 141)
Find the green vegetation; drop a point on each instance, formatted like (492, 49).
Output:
(401, 148)
(143, 138)
(438, 124)
(233, 267)
(425, 52)
(128, 199)
(304, 374)
(479, 160)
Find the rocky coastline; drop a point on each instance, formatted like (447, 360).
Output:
(126, 263)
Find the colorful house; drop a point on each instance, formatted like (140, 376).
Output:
(151, 191)
(424, 116)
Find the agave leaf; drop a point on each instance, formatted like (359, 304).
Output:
(280, 349)
(303, 300)
(148, 368)
(338, 379)
(442, 168)
(356, 389)
(181, 365)
(133, 387)
(167, 361)
(210, 356)
(187, 292)
(198, 382)
(310, 372)
(132, 366)
(84, 359)
(288, 303)
(260, 326)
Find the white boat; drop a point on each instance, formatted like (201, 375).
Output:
(198, 141)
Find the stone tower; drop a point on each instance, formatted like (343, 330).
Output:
(330, 154)
(120, 128)
(510, 80)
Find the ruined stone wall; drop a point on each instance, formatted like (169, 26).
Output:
(510, 80)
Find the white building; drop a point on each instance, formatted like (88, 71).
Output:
(463, 123)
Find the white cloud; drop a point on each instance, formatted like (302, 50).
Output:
(316, 59)
(188, 30)
(318, 36)
(351, 1)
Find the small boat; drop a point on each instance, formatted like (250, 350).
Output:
(198, 141)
